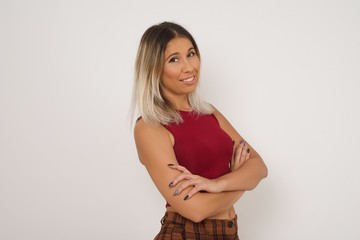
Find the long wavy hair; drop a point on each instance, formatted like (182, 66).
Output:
(148, 100)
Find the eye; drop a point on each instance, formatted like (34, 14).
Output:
(174, 59)
(191, 54)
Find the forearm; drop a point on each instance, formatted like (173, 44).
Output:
(204, 205)
(245, 178)
(196, 208)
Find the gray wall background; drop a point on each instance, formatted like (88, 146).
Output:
(285, 73)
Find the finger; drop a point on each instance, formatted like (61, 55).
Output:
(232, 160)
(185, 185)
(181, 177)
(238, 153)
(244, 153)
(241, 154)
(234, 149)
(191, 193)
(236, 160)
(178, 167)
(242, 146)
(247, 154)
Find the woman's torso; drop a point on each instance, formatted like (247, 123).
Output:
(203, 148)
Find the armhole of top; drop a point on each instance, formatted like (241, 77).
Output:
(217, 120)
(171, 136)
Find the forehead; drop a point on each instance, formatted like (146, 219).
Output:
(177, 45)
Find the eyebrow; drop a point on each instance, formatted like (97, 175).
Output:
(175, 53)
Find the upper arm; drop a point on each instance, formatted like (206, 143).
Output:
(155, 151)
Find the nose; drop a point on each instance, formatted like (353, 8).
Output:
(187, 67)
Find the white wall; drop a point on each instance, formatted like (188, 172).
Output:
(285, 73)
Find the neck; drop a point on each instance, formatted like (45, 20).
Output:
(181, 103)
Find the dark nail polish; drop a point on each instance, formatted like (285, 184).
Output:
(186, 197)
(248, 150)
(171, 184)
(170, 164)
(233, 142)
(176, 192)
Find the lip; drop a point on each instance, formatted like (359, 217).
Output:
(189, 80)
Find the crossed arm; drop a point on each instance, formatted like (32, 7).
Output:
(155, 151)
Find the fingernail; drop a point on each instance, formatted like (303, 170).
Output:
(170, 164)
(176, 192)
(242, 141)
(248, 150)
(171, 184)
(233, 142)
(186, 197)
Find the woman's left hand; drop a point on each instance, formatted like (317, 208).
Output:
(187, 179)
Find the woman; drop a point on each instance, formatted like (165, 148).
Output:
(197, 160)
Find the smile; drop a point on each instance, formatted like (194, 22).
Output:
(188, 80)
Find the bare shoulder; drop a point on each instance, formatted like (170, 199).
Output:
(142, 128)
(149, 138)
(146, 130)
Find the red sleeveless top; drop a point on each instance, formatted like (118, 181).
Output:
(201, 145)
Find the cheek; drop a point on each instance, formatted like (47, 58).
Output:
(197, 63)
(170, 74)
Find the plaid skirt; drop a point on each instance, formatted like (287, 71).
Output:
(176, 227)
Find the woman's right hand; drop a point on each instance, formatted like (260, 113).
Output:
(241, 153)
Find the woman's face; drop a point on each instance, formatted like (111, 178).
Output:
(181, 68)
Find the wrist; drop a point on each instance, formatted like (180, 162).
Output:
(220, 184)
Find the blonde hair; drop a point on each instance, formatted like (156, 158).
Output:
(148, 99)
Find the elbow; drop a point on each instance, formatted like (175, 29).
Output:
(195, 216)
(265, 171)
(189, 210)
(262, 170)
(194, 213)
(197, 219)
